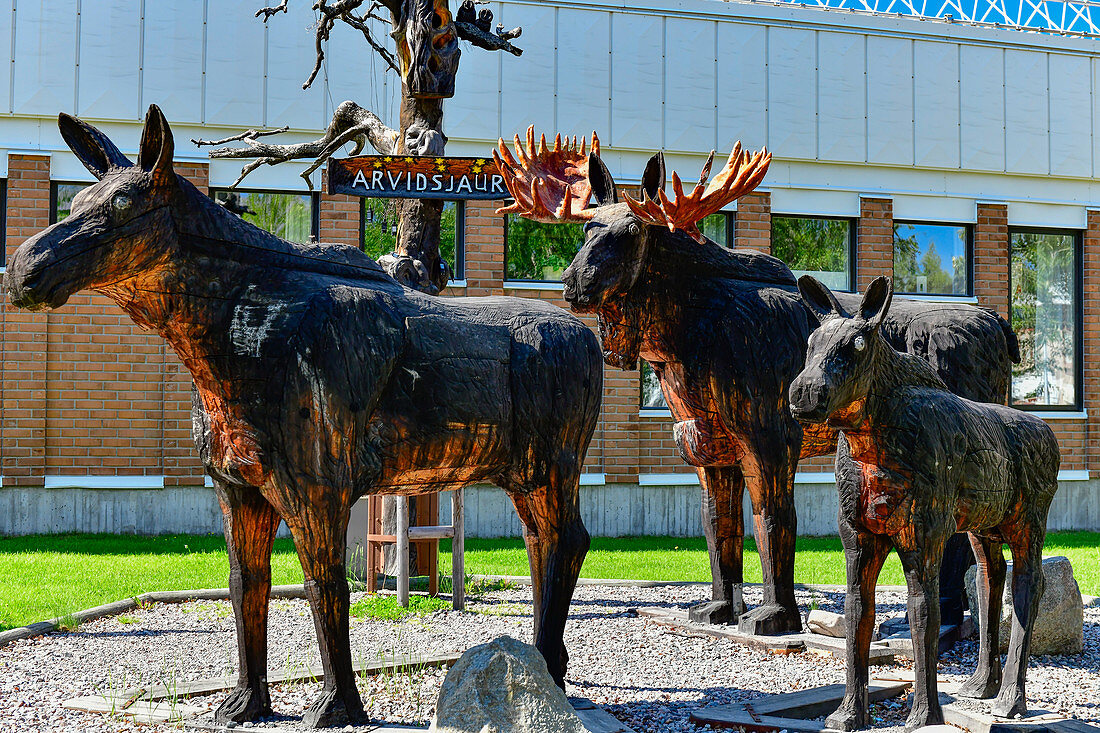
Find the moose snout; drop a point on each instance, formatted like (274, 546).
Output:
(807, 399)
(571, 293)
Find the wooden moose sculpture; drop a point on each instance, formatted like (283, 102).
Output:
(725, 332)
(914, 464)
(319, 379)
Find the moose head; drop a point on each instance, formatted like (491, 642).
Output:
(118, 227)
(549, 185)
(840, 358)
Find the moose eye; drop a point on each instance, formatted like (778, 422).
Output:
(859, 343)
(121, 202)
(633, 229)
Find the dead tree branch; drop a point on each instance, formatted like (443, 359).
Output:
(350, 124)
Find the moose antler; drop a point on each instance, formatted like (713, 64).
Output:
(741, 174)
(548, 184)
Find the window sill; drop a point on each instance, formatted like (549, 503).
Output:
(655, 412)
(968, 299)
(456, 284)
(532, 285)
(1058, 414)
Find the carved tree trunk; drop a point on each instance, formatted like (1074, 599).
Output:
(418, 231)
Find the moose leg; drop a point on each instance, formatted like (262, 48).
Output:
(320, 540)
(724, 527)
(864, 554)
(250, 526)
(556, 545)
(922, 574)
(990, 585)
(769, 475)
(1027, 589)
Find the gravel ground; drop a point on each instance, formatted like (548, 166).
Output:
(648, 675)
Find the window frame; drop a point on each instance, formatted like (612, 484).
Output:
(853, 247)
(969, 256)
(314, 203)
(4, 224)
(459, 265)
(1078, 315)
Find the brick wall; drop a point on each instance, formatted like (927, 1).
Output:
(991, 257)
(1090, 353)
(874, 240)
(340, 216)
(753, 225)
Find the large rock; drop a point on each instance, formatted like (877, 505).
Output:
(503, 687)
(1059, 626)
(826, 623)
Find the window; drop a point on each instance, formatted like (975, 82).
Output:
(537, 251)
(718, 227)
(378, 230)
(652, 398)
(932, 259)
(61, 199)
(292, 216)
(1044, 280)
(818, 247)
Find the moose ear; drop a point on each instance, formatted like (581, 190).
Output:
(157, 146)
(653, 180)
(819, 298)
(92, 147)
(876, 301)
(603, 185)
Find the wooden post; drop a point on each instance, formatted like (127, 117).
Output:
(458, 550)
(403, 551)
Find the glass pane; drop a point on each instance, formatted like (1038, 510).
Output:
(930, 258)
(448, 237)
(716, 227)
(1044, 316)
(380, 218)
(537, 251)
(652, 399)
(818, 247)
(64, 195)
(286, 215)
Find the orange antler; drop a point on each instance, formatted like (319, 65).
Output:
(548, 184)
(741, 174)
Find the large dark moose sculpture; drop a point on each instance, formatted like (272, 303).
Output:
(319, 379)
(914, 464)
(725, 332)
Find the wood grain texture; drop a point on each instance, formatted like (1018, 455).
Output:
(318, 379)
(915, 464)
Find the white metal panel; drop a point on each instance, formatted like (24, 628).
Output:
(1026, 214)
(583, 65)
(474, 111)
(935, 208)
(689, 84)
(363, 83)
(172, 59)
(1027, 143)
(792, 93)
(842, 96)
(742, 85)
(816, 203)
(6, 15)
(889, 100)
(291, 53)
(45, 57)
(936, 115)
(527, 83)
(110, 41)
(1071, 115)
(636, 81)
(981, 93)
(235, 66)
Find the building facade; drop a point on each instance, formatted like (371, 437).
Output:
(959, 159)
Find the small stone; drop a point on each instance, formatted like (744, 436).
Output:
(503, 687)
(826, 623)
(1059, 623)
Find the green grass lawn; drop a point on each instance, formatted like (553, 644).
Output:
(43, 577)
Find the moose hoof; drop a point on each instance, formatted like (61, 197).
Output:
(846, 719)
(243, 705)
(770, 620)
(330, 710)
(713, 612)
(1009, 703)
(979, 687)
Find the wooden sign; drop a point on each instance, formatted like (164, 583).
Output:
(413, 177)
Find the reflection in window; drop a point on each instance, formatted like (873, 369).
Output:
(931, 258)
(652, 399)
(379, 218)
(1045, 317)
(718, 227)
(818, 247)
(286, 215)
(537, 251)
(63, 199)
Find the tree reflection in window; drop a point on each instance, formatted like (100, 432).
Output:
(286, 215)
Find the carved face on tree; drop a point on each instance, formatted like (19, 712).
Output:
(427, 47)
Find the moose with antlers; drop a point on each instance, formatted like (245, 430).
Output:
(914, 464)
(318, 379)
(725, 332)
